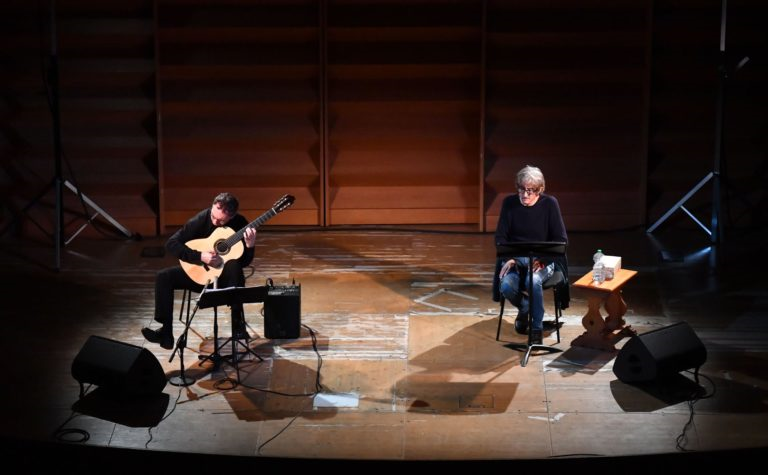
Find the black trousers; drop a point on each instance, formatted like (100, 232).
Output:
(174, 278)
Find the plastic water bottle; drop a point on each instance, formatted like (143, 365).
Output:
(598, 269)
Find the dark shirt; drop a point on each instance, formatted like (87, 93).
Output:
(200, 227)
(540, 222)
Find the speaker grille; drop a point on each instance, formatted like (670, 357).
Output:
(282, 312)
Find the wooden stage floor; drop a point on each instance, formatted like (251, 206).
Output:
(405, 356)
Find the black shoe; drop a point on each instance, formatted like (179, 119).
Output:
(521, 324)
(536, 338)
(164, 338)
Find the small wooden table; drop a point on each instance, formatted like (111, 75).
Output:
(603, 334)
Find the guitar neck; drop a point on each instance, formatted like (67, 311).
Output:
(253, 224)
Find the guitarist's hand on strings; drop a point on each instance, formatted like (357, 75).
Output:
(249, 236)
(211, 258)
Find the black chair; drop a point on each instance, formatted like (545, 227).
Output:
(558, 282)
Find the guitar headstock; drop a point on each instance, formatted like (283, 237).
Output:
(283, 203)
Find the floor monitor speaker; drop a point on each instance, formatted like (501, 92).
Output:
(659, 353)
(118, 367)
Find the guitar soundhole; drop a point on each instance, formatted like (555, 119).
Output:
(221, 247)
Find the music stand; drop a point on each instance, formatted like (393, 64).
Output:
(229, 296)
(531, 249)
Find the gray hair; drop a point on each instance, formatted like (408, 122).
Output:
(228, 202)
(530, 176)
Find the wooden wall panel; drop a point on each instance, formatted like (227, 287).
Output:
(104, 55)
(403, 91)
(566, 91)
(386, 111)
(107, 107)
(239, 106)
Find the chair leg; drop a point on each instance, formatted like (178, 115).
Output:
(558, 314)
(186, 303)
(501, 317)
(186, 298)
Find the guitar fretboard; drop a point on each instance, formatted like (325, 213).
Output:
(231, 240)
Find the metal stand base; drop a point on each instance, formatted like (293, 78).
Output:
(528, 347)
(181, 380)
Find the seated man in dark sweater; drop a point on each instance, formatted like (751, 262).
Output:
(528, 216)
(208, 263)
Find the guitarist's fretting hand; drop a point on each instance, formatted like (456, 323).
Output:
(250, 237)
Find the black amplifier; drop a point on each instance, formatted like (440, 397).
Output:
(282, 312)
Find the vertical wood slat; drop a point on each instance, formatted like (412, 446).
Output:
(162, 215)
(646, 112)
(482, 224)
(325, 205)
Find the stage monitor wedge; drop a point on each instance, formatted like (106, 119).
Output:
(659, 353)
(119, 368)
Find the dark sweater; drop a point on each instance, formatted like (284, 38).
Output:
(540, 222)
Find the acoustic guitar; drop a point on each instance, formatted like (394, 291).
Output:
(227, 243)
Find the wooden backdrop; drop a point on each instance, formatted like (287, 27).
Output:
(381, 112)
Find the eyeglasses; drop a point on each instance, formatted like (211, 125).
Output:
(528, 191)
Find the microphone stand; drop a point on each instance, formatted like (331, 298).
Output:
(182, 379)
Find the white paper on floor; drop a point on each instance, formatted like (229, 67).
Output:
(336, 400)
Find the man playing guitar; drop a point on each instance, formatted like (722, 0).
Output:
(205, 259)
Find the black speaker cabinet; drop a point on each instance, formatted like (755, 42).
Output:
(659, 353)
(118, 367)
(282, 312)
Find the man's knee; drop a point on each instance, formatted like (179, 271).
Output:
(164, 278)
(232, 274)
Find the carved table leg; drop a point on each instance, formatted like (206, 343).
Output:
(593, 322)
(616, 308)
